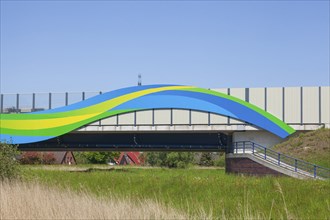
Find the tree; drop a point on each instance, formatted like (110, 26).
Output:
(171, 160)
(206, 159)
(32, 157)
(100, 157)
(9, 166)
(150, 158)
(48, 158)
(81, 158)
(179, 159)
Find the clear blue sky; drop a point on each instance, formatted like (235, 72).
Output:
(57, 46)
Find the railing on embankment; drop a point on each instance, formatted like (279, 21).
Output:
(281, 160)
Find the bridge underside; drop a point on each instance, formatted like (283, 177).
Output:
(133, 142)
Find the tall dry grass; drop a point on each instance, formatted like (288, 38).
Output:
(20, 200)
(32, 200)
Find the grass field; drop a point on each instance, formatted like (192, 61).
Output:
(21, 200)
(199, 192)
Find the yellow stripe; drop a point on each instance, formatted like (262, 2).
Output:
(43, 123)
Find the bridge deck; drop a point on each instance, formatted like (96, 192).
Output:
(133, 142)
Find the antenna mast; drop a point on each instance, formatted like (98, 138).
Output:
(139, 80)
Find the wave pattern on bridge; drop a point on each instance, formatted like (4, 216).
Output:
(44, 125)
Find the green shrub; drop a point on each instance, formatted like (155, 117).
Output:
(206, 159)
(9, 166)
(81, 158)
(181, 165)
(171, 160)
(221, 161)
(100, 157)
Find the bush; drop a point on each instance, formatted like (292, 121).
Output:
(48, 158)
(32, 157)
(81, 158)
(179, 159)
(171, 160)
(206, 159)
(221, 161)
(9, 166)
(181, 165)
(100, 157)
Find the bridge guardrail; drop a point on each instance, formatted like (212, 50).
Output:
(24, 103)
(281, 160)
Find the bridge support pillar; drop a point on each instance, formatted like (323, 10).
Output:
(239, 164)
(229, 144)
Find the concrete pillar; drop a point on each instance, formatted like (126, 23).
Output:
(229, 145)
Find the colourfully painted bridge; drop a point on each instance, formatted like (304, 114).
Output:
(153, 117)
(52, 123)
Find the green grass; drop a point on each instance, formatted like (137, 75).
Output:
(313, 146)
(195, 190)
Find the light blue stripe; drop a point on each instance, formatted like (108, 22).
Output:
(13, 139)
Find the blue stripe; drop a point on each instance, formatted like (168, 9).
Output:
(203, 102)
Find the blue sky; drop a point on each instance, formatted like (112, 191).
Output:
(57, 46)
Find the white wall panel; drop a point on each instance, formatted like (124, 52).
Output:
(95, 123)
(263, 138)
(144, 117)
(274, 102)
(310, 105)
(163, 116)
(199, 118)
(126, 119)
(257, 97)
(238, 93)
(325, 103)
(218, 119)
(292, 109)
(222, 90)
(180, 116)
(109, 121)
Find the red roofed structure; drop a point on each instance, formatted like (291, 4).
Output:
(129, 158)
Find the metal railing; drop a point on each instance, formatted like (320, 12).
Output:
(281, 160)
